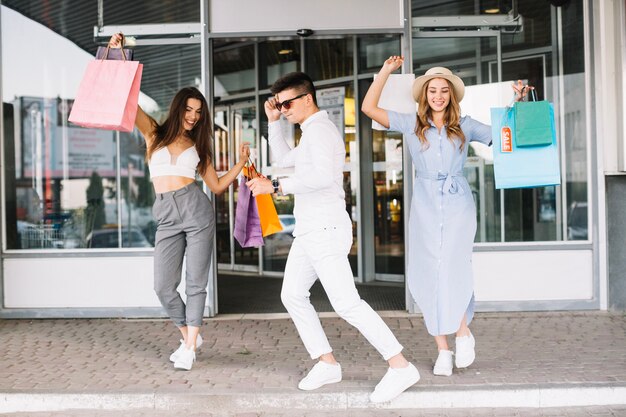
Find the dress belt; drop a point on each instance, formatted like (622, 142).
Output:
(450, 183)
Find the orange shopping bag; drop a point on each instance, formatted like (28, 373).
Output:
(107, 96)
(270, 223)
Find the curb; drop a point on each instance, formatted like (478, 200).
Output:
(493, 396)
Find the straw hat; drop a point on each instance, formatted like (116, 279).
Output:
(439, 72)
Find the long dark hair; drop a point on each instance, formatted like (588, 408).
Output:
(201, 134)
(451, 117)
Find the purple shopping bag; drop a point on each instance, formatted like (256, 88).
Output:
(247, 222)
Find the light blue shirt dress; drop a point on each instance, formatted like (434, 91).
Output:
(442, 223)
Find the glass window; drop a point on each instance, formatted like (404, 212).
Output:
(233, 68)
(389, 202)
(118, 12)
(432, 52)
(329, 58)
(461, 7)
(374, 50)
(277, 58)
(574, 126)
(222, 163)
(167, 68)
(69, 187)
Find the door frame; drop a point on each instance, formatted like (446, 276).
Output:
(230, 109)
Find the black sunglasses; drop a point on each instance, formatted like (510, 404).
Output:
(287, 103)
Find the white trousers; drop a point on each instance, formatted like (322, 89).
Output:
(323, 254)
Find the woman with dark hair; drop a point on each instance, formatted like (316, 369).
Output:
(177, 151)
(442, 221)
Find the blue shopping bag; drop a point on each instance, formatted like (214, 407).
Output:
(522, 166)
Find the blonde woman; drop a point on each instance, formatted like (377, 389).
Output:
(442, 221)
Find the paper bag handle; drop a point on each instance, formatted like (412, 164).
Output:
(106, 53)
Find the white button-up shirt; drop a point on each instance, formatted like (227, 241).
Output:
(317, 182)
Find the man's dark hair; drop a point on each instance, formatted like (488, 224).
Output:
(296, 80)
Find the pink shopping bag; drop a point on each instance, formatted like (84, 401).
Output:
(107, 96)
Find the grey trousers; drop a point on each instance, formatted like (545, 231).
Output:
(185, 226)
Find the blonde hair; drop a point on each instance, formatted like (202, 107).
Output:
(451, 117)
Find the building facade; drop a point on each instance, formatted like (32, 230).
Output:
(77, 228)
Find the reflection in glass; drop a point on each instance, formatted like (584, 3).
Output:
(117, 12)
(329, 58)
(63, 179)
(458, 53)
(277, 58)
(137, 193)
(167, 68)
(221, 164)
(351, 173)
(233, 68)
(244, 130)
(479, 174)
(374, 50)
(63, 190)
(277, 246)
(450, 8)
(577, 221)
(389, 202)
(574, 122)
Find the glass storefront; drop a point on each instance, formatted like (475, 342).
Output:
(72, 189)
(338, 98)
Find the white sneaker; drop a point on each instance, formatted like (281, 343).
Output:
(185, 359)
(443, 366)
(394, 383)
(174, 355)
(321, 374)
(465, 353)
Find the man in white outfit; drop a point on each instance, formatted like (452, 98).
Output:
(323, 238)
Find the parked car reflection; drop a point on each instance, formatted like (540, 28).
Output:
(288, 221)
(108, 237)
(278, 244)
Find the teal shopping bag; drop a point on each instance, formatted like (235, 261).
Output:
(522, 166)
(534, 122)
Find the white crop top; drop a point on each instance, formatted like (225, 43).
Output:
(163, 163)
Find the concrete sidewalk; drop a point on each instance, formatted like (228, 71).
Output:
(253, 364)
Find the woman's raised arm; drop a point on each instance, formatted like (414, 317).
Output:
(144, 123)
(370, 101)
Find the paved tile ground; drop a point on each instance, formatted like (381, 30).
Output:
(615, 411)
(259, 355)
(266, 356)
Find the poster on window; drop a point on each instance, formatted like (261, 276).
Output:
(48, 149)
(87, 151)
(332, 100)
